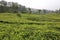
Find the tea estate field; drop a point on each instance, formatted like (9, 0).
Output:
(24, 26)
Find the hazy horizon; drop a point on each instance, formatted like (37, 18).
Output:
(39, 4)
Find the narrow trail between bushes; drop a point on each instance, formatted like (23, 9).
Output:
(30, 23)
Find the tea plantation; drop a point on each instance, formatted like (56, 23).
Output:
(24, 26)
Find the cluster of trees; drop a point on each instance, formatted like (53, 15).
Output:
(57, 11)
(15, 8)
(11, 7)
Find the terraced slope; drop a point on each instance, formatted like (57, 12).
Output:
(29, 26)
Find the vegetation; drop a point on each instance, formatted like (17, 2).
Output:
(20, 23)
(29, 26)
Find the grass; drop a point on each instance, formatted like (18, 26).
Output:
(33, 27)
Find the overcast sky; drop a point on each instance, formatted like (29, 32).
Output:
(40, 4)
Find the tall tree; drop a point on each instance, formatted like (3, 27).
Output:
(44, 10)
(39, 11)
(3, 6)
(14, 7)
(29, 9)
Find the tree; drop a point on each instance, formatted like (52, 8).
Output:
(22, 9)
(39, 11)
(3, 6)
(29, 9)
(44, 11)
(14, 7)
(56, 11)
(59, 10)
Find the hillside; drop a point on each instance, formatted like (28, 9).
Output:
(29, 26)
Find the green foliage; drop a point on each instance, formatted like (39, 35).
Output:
(29, 26)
